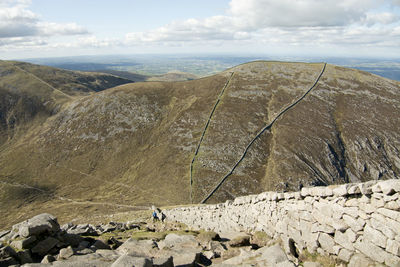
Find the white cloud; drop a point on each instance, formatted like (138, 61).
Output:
(264, 23)
(382, 18)
(286, 22)
(255, 14)
(396, 2)
(16, 20)
(213, 28)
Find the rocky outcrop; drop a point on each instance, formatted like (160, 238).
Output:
(342, 221)
(41, 239)
(48, 244)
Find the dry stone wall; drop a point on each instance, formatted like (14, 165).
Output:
(341, 220)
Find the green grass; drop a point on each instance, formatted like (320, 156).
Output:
(160, 235)
(325, 261)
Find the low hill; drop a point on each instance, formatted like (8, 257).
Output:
(172, 76)
(133, 145)
(125, 74)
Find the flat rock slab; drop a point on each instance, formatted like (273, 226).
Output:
(82, 229)
(174, 240)
(273, 255)
(129, 261)
(138, 248)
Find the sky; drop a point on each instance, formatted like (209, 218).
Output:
(344, 28)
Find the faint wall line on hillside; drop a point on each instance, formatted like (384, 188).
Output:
(204, 132)
(268, 126)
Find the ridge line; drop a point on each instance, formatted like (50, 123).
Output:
(204, 132)
(39, 79)
(260, 133)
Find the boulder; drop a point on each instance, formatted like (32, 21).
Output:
(48, 258)
(184, 257)
(24, 256)
(70, 239)
(65, 253)
(260, 239)
(163, 262)
(207, 236)
(44, 246)
(42, 223)
(216, 247)
(184, 249)
(111, 255)
(240, 241)
(83, 251)
(138, 248)
(129, 261)
(209, 254)
(244, 255)
(82, 229)
(174, 240)
(90, 260)
(273, 255)
(101, 245)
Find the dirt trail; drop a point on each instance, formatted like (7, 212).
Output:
(79, 202)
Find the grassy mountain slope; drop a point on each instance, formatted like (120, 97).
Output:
(30, 93)
(132, 145)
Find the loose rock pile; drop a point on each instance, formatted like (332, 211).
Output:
(40, 241)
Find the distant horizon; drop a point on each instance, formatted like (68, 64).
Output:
(204, 64)
(207, 54)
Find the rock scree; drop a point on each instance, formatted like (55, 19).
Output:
(347, 225)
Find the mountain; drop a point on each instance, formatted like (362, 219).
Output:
(292, 124)
(173, 76)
